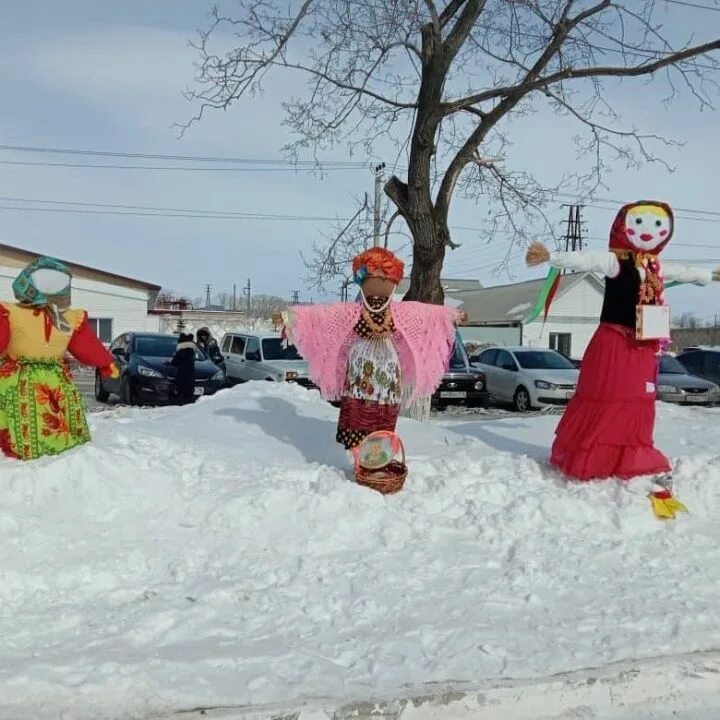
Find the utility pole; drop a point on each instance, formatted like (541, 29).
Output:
(246, 291)
(376, 208)
(234, 300)
(574, 230)
(208, 288)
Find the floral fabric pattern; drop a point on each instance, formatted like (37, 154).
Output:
(41, 410)
(374, 371)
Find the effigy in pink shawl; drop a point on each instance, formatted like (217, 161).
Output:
(424, 338)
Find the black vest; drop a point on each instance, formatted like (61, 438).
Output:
(621, 295)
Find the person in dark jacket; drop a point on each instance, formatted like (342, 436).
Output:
(184, 363)
(205, 341)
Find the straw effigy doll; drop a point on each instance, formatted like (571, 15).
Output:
(41, 410)
(607, 428)
(374, 355)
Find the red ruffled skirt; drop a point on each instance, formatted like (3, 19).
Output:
(607, 429)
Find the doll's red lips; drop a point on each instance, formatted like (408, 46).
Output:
(646, 236)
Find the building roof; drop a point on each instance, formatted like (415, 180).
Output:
(29, 255)
(449, 285)
(507, 304)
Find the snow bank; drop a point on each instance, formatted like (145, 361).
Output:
(218, 555)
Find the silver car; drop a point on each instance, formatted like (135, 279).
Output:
(251, 356)
(528, 377)
(676, 385)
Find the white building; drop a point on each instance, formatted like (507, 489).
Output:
(504, 314)
(115, 303)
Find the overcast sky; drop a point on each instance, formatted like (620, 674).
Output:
(106, 75)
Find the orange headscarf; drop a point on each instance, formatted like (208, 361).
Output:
(377, 262)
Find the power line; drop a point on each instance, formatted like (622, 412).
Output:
(178, 168)
(697, 6)
(183, 158)
(162, 211)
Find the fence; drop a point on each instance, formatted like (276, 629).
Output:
(687, 337)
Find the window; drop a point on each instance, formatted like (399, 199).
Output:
(561, 342)
(692, 360)
(252, 351)
(712, 364)
(103, 328)
(458, 360)
(156, 346)
(505, 360)
(238, 345)
(671, 366)
(489, 357)
(226, 343)
(274, 349)
(542, 360)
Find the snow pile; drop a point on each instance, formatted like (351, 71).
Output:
(219, 555)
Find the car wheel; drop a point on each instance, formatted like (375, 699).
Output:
(521, 401)
(101, 395)
(127, 394)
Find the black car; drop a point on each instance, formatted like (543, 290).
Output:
(146, 376)
(462, 383)
(702, 362)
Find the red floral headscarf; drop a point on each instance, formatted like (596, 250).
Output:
(626, 240)
(620, 238)
(377, 262)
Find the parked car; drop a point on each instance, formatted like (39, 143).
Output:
(462, 383)
(702, 362)
(146, 377)
(251, 356)
(676, 385)
(528, 377)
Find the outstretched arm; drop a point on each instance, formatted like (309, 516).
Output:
(599, 261)
(87, 348)
(677, 272)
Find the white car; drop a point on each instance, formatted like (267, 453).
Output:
(528, 377)
(251, 356)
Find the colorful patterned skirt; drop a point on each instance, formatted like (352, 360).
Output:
(371, 401)
(41, 410)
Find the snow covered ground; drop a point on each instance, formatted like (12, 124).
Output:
(218, 555)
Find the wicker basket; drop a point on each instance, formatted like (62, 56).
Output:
(389, 478)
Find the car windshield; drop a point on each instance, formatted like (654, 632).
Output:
(459, 360)
(274, 349)
(671, 366)
(161, 346)
(543, 360)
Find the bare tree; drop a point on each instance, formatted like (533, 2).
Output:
(443, 80)
(687, 320)
(224, 300)
(265, 306)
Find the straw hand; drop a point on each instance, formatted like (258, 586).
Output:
(537, 254)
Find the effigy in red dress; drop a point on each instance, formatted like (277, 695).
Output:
(607, 429)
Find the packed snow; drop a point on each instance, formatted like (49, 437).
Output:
(220, 555)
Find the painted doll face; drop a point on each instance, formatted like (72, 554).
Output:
(378, 287)
(647, 226)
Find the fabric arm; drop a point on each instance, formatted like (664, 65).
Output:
(4, 329)
(87, 348)
(677, 272)
(599, 261)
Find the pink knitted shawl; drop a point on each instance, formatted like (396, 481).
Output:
(424, 338)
